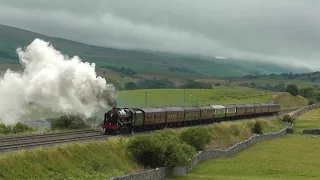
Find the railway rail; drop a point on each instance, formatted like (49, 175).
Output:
(15, 143)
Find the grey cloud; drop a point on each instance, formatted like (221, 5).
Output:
(283, 32)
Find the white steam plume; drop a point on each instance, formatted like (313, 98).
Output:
(52, 81)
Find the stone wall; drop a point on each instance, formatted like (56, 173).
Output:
(311, 131)
(163, 172)
(298, 112)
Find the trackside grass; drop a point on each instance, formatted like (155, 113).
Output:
(226, 134)
(108, 158)
(94, 160)
(289, 157)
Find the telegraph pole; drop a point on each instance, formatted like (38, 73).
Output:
(146, 99)
(184, 97)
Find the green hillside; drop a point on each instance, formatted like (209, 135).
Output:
(288, 101)
(151, 63)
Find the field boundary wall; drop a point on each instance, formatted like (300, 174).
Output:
(165, 172)
(311, 131)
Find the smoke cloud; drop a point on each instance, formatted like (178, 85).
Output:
(52, 82)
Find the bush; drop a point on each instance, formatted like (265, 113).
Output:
(147, 150)
(257, 128)
(311, 101)
(196, 137)
(15, 129)
(163, 148)
(68, 122)
(178, 154)
(287, 118)
(5, 129)
(20, 128)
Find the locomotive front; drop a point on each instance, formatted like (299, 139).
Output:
(116, 120)
(110, 122)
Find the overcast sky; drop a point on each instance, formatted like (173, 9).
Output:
(281, 31)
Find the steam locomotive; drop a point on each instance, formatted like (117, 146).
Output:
(129, 120)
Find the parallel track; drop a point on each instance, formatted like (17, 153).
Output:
(15, 143)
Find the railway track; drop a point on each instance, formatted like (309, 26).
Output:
(15, 143)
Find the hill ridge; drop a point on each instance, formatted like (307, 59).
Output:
(146, 62)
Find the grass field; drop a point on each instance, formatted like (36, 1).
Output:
(301, 83)
(308, 120)
(288, 101)
(175, 97)
(289, 157)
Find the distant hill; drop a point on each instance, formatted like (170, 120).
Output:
(145, 62)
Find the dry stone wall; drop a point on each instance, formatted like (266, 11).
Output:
(305, 109)
(311, 131)
(163, 172)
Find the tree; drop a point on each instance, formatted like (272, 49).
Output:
(318, 97)
(306, 92)
(114, 83)
(292, 89)
(130, 86)
(253, 85)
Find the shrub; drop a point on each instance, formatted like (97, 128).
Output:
(257, 128)
(311, 101)
(178, 154)
(287, 118)
(163, 148)
(5, 129)
(235, 130)
(68, 122)
(196, 137)
(14, 129)
(147, 150)
(20, 128)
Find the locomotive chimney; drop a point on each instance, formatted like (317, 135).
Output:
(114, 104)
